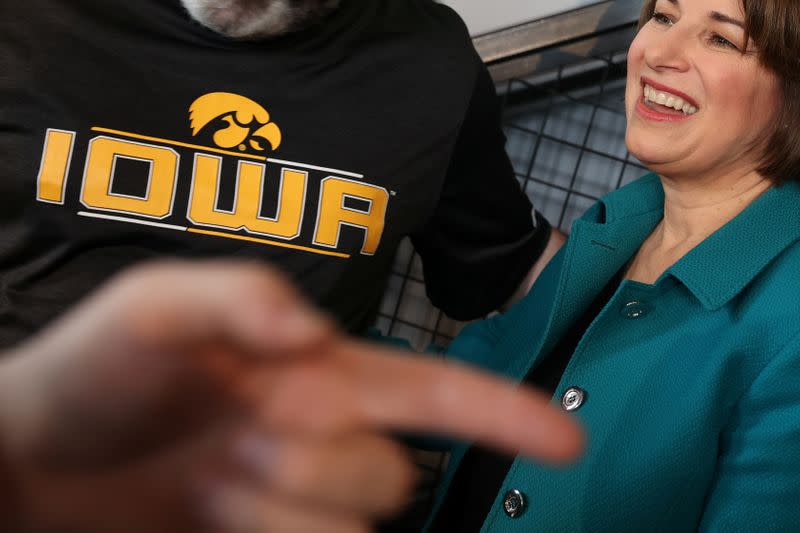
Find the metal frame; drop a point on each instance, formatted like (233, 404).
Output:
(599, 28)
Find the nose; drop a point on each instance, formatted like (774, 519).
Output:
(668, 51)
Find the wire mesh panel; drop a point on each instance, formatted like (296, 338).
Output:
(566, 141)
(566, 136)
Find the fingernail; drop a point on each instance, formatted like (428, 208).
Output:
(257, 453)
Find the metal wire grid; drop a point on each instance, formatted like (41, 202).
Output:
(566, 141)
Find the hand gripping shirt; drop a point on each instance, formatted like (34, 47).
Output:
(130, 132)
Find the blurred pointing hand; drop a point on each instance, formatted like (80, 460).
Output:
(211, 397)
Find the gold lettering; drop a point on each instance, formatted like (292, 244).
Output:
(55, 166)
(246, 212)
(333, 214)
(99, 176)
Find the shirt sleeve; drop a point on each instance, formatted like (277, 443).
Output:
(756, 487)
(483, 237)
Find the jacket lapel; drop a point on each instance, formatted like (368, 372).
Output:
(595, 251)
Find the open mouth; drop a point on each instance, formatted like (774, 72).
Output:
(664, 100)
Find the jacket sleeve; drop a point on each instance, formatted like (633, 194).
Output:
(475, 342)
(757, 484)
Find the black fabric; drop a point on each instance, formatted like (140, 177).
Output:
(481, 473)
(389, 94)
(9, 495)
(462, 229)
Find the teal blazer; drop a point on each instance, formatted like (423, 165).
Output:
(692, 384)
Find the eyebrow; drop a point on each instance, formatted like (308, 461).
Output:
(717, 16)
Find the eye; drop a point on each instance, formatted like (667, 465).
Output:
(662, 18)
(719, 40)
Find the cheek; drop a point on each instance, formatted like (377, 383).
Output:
(744, 96)
(744, 107)
(636, 52)
(632, 87)
(636, 63)
(644, 39)
(734, 91)
(766, 100)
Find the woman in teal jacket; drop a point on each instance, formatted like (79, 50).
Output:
(670, 322)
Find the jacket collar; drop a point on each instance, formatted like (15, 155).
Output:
(599, 245)
(720, 267)
(605, 238)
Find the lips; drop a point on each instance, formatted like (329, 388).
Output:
(667, 89)
(662, 103)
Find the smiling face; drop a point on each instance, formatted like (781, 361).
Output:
(696, 104)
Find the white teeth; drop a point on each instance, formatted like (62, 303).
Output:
(668, 100)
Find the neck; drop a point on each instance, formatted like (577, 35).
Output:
(693, 210)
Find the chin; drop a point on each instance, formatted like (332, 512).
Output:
(639, 148)
(258, 19)
(652, 149)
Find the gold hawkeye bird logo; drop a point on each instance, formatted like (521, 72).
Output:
(248, 123)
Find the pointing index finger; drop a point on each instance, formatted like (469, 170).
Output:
(362, 386)
(425, 394)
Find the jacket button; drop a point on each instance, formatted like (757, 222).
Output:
(634, 310)
(573, 399)
(514, 503)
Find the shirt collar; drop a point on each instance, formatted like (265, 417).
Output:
(720, 267)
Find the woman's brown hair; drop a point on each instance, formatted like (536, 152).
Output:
(774, 26)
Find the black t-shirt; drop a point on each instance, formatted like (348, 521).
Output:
(128, 132)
